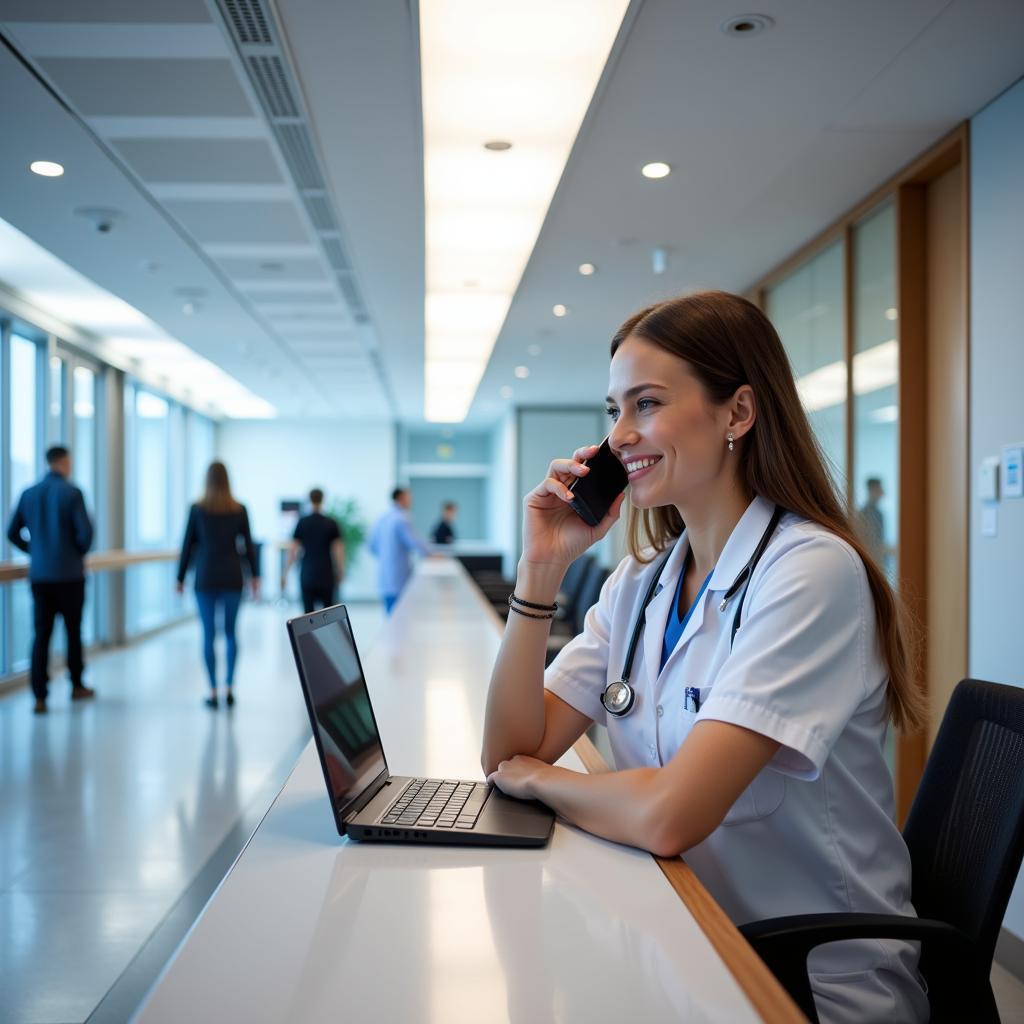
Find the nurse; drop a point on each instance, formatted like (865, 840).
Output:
(757, 751)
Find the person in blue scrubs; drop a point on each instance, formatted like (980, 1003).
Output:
(393, 541)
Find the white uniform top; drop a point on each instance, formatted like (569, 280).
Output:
(814, 831)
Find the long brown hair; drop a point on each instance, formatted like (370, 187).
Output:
(217, 497)
(728, 342)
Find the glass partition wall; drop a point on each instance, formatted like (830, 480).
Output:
(852, 309)
(53, 393)
(837, 314)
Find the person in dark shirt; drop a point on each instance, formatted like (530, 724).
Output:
(444, 532)
(60, 533)
(323, 556)
(215, 526)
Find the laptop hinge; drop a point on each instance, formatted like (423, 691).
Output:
(367, 795)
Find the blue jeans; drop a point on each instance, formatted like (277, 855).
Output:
(208, 601)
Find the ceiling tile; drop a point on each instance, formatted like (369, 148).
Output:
(156, 87)
(160, 12)
(250, 223)
(236, 161)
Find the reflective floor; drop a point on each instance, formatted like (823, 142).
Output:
(110, 811)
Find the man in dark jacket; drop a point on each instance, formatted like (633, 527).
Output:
(60, 533)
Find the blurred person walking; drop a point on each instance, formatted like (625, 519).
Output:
(215, 526)
(319, 540)
(60, 533)
(392, 541)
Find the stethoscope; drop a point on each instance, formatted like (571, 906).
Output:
(619, 697)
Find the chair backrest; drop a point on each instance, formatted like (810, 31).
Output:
(590, 591)
(573, 581)
(965, 829)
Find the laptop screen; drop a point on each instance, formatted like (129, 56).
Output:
(352, 752)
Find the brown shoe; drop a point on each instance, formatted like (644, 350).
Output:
(40, 708)
(82, 693)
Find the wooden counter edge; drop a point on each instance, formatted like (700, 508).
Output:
(771, 1001)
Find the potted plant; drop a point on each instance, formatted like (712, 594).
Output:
(350, 523)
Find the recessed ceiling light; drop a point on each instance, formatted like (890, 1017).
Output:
(189, 308)
(498, 146)
(657, 169)
(505, 391)
(534, 349)
(522, 372)
(46, 168)
(746, 25)
(586, 269)
(891, 313)
(558, 309)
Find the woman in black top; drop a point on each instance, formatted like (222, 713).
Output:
(215, 526)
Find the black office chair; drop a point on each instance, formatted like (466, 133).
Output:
(588, 592)
(965, 833)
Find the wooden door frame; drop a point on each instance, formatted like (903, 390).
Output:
(908, 189)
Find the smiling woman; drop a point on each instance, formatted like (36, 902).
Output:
(759, 642)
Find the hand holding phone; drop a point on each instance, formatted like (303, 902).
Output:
(594, 493)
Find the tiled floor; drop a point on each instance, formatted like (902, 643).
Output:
(111, 809)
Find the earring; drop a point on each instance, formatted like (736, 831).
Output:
(731, 445)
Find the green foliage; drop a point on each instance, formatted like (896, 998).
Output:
(350, 523)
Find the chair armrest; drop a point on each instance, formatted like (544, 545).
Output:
(806, 931)
(784, 944)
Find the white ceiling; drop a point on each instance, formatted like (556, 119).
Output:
(770, 137)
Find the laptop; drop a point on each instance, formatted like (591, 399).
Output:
(368, 801)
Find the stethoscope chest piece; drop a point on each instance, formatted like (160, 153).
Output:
(618, 698)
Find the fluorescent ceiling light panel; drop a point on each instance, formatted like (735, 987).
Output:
(523, 71)
(125, 337)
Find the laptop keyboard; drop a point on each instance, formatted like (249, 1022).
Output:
(438, 803)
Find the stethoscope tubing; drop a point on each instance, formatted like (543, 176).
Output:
(622, 706)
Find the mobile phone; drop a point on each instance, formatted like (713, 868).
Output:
(594, 493)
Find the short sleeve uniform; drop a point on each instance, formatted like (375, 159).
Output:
(316, 533)
(814, 831)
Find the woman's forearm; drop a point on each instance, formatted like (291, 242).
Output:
(622, 806)
(514, 721)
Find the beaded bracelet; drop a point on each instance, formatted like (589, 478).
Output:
(529, 604)
(529, 615)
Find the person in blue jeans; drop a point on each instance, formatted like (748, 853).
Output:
(216, 525)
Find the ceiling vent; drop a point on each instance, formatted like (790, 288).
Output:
(254, 30)
(297, 148)
(247, 20)
(267, 74)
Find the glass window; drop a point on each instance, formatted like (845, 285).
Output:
(25, 470)
(85, 433)
(876, 386)
(25, 454)
(85, 475)
(201, 452)
(807, 310)
(149, 586)
(55, 429)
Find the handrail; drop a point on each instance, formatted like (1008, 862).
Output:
(102, 561)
